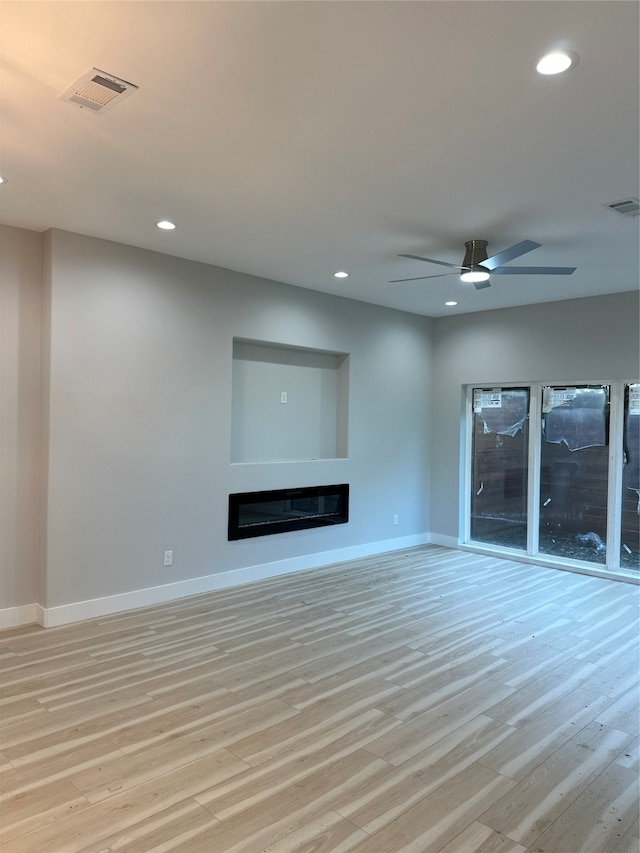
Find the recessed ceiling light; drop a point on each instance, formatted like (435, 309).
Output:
(3, 180)
(165, 225)
(451, 303)
(556, 62)
(341, 274)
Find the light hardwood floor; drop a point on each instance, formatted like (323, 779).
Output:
(425, 701)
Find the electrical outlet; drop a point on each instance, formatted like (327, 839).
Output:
(168, 558)
(395, 519)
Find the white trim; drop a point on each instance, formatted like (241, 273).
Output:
(77, 611)
(533, 470)
(616, 454)
(14, 617)
(538, 560)
(466, 445)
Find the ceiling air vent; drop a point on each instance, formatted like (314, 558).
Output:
(626, 206)
(98, 91)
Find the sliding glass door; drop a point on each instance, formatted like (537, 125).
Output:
(630, 503)
(499, 468)
(574, 472)
(553, 471)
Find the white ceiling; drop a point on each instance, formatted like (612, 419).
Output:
(293, 139)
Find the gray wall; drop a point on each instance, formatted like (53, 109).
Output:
(579, 340)
(116, 410)
(312, 422)
(139, 432)
(20, 325)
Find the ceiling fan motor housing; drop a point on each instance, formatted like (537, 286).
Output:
(475, 255)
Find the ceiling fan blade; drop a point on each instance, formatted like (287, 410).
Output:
(431, 261)
(510, 254)
(421, 277)
(533, 271)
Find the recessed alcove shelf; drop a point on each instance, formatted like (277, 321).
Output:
(288, 403)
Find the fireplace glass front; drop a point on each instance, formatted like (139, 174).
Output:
(282, 510)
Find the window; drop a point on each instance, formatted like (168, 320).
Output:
(553, 472)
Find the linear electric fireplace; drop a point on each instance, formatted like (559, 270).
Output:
(283, 510)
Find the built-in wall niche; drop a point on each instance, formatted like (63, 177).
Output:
(288, 403)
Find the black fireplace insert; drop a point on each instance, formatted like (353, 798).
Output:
(282, 510)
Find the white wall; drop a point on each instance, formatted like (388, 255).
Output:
(20, 321)
(140, 413)
(579, 340)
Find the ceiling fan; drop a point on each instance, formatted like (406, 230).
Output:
(477, 267)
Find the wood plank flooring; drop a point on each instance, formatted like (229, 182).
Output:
(424, 701)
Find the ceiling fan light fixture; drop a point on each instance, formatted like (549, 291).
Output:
(475, 274)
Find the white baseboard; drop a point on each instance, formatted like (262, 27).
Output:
(13, 617)
(77, 611)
